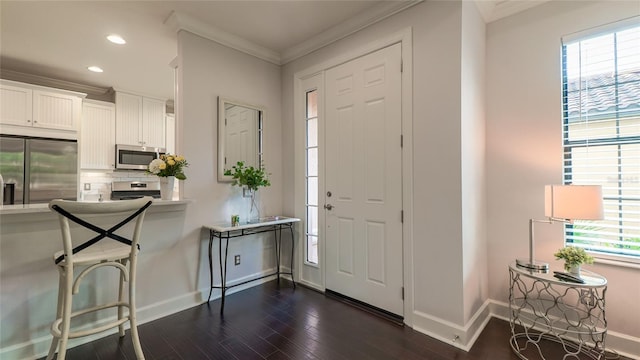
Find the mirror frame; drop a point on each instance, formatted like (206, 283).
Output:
(222, 102)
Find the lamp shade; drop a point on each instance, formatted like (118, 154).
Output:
(573, 202)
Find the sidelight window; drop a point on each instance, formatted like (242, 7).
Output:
(311, 179)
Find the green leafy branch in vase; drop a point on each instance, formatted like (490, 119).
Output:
(249, 176)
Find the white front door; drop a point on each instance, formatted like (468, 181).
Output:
(363, 172)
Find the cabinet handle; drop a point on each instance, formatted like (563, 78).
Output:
(28, 120)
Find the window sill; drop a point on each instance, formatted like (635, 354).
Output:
(620, 261)
(316, 265)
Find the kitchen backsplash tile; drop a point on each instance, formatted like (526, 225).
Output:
(100, 182)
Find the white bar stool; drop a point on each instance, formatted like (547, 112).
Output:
(105, 249)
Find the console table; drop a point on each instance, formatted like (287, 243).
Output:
(226, 231)
(544, 308)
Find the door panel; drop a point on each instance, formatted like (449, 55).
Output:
(346, 255)
(376, 259)
(363, 173)
(374, 151)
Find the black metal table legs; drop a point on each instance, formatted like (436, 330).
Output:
(225, 236)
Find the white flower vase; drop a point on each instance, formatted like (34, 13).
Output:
(166, 187)
(574, 270)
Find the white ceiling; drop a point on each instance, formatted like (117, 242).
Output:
(60, 39)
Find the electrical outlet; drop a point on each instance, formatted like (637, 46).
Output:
(87, 186)
(236, 260)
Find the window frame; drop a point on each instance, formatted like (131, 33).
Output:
(592, 141)
(307, 205)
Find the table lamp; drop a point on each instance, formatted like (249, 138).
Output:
(565, 203)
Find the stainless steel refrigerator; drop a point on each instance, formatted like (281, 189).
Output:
(40, 169)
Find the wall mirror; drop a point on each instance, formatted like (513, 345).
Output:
(239, 135)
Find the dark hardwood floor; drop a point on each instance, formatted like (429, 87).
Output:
(272, 321)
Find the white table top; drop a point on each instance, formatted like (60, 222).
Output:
(265, 221)
(590, 278)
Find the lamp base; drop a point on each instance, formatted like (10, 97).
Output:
(535, 265)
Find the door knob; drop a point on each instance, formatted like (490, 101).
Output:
(328, 206)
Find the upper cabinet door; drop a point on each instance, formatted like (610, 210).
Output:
(56, 111)
(171, 134)
(98, 138)
(153, 122)
(15, 105)
(33, 110)
(140, 120)
(128, 119)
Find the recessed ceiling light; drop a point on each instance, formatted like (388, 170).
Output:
(116, 39)
(96, 69)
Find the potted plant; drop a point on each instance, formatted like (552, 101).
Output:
(573, 257)
(168, 167)
(251, 179)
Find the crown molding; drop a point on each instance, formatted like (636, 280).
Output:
(497, 9)
(356, 23)
(94, 92)
(179, 21)
(485, 8)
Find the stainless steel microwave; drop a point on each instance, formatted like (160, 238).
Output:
(129, 157)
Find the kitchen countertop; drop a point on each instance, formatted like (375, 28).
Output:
(44, 208)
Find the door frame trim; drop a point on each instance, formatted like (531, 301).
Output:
(405, 38)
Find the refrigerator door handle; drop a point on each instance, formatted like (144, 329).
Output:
(27, 171)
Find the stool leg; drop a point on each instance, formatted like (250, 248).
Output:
(120, 299)
(52, 348)
(66, 311)
(56, 340)
(132, 308)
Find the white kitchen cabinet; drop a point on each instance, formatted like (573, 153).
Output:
(140, 120)
(53, 110)
(15, 105)
(153, 122)
(98, 135)
(34, 110)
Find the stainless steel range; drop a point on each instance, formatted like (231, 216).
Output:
(122, 190)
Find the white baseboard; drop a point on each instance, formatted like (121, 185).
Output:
(38, 347)
(462, 337)
(619, 343)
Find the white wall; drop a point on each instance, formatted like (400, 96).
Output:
(439, 304)
(207, 70)
(474, 245)
(524, 143)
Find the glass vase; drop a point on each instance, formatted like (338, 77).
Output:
(254, 209)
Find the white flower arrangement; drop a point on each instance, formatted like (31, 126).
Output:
(169, 165)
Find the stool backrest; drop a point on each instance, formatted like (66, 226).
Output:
(74, 211)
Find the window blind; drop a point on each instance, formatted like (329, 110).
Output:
(601, 136)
